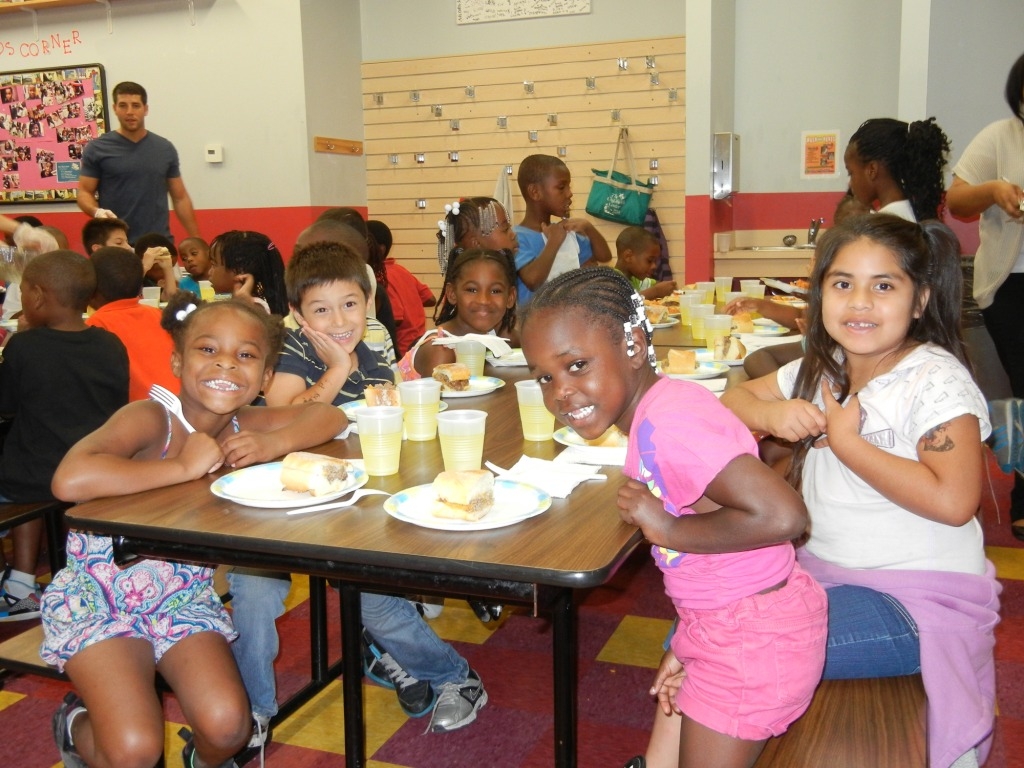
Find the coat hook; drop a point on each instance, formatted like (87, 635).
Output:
(421, 203)
(502, 121)
(562, 152)
(437, 109)
(623, 64)
(591, 83)
(453, 124)
(393, 159)
(649, 61)
(654, 164)
(653, 181)
(673, 94)
(414, 95)
(378, 99)
(508, 169)
(528, 86)
(453, 157)
(421, 157)
(533, 136)
(655, 80)
(471, 91)
(552, 119)
(616, 115)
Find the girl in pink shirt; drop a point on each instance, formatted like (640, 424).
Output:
(750, 644)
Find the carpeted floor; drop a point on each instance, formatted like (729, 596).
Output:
(622, 626)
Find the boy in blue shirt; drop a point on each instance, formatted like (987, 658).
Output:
(326, 360)
(546, 248)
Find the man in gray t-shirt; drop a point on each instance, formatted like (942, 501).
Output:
(132, 170)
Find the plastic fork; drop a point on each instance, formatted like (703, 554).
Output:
(339, 504)
(170, 401)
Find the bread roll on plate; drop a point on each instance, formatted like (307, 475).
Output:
(681, 361)
(382, 394)
(314, 474)
(729, 348)
(464, 495)
(454, 377)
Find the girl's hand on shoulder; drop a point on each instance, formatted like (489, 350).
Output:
(639, 507)
(842, 421)
(667, 682)
(200, 455)
(243, 449)
(794, 420)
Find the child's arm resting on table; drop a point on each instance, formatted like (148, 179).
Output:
(761, 406)
(267, 433)
(943, 484)
(750, 507)
(123, 457)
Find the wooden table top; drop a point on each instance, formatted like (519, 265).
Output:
(579, 542)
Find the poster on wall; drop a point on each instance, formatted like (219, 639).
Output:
(46, 118)
(481, 11)
(818, 152)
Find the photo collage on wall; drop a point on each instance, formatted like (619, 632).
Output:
(46, 119)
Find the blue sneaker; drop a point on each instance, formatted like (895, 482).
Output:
(415, 697)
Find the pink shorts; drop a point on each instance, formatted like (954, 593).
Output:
(752, 666)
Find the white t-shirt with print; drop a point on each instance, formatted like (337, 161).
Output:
(854, 526)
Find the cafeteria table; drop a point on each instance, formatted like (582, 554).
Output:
(578, 543)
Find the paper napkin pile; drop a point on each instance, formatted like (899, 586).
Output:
(557, 479)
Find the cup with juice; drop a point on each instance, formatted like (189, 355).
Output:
(697, 314)
(461, 433)
(715, 328)
(538, 422)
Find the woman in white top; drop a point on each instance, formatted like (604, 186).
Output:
(988, 182)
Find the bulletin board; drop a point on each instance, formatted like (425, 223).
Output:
(482, 11)
(46, 119)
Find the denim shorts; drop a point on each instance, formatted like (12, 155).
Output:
(752, 666)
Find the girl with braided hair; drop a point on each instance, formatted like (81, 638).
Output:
(899, 166)
(750, 645)
(248, 264)
(474, 222)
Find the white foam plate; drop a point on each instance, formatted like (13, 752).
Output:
(260, 486)
(513, 503)
(478, 385)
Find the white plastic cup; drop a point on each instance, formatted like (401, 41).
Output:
(461, 433)
(380, 437)
(697, 314)
(471, 354)
(708, 289)
(151, 295)
(756, 291)
(732, 295)
(716, 327)
(206, 292)
(750, 285)
(538, 422)
(420, 399)
(686, 300)
(722, 286)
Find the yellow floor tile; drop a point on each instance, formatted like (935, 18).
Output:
(636, 641)
(1009, 561)
(8, 697)
(299, 592)
(458, 622)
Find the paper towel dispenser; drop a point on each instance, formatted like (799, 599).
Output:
(725, 152)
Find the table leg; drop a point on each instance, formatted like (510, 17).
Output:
(318, 629)
(564, 657)
(352, 676)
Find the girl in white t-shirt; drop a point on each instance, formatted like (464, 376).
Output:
(887, 424)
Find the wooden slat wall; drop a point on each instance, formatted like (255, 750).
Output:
(400, 126)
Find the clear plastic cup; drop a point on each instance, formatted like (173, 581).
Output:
(697, 314)
(420, 399)
(462, 438)
(206, 292)
(708, 289)
(715, 328)
(750, 285)
(380, 437)
(732, 295)
(756, 291)
(471, 354)
(722, 286)
(687, 299)
(538, 422)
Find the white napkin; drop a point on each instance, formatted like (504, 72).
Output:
(568, 257)
(496, 344)
(558, 480)
(514, 359)
(754, 341)
(588, 454)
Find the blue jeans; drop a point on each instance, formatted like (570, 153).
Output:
(870, 634)
(258, 600)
